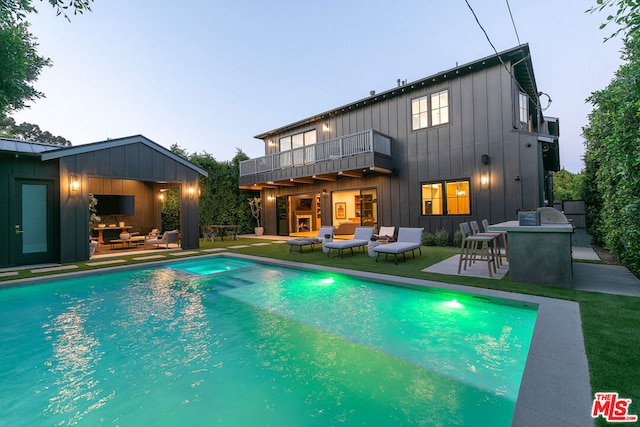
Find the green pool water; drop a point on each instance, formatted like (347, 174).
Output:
(224, 341)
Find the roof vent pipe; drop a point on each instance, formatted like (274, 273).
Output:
(399, 82)
(372, 92)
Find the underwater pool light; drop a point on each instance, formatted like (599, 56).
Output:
(327, 281)
(452, 304)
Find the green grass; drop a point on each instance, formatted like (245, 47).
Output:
(609, 322)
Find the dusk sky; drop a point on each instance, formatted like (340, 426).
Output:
(210, 75)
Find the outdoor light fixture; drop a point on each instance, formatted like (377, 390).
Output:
(74, 183)
(191, 191)
(484, 179)
(326, 127)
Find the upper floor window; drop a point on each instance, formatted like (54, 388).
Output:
(298, 140)
(440, 108)
(523, 107)
(430, 110)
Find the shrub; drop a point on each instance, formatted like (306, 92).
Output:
(457, 238)
(428, 239)
(441, 237)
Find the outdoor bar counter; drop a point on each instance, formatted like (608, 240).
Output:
(539, 253)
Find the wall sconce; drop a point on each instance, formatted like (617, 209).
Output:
(324, 192)
(484, 179)
(271, 143)
(270, 198)
(74, 183)
(191, 191)
(326, 128)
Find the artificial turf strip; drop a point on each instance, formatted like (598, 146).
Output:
(609, 322)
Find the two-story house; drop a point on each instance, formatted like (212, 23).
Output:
(467, 143)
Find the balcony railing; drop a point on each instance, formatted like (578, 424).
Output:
(336, 148)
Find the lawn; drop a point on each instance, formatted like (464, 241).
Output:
(609, 322)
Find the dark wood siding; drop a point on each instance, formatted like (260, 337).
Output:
(481, 108)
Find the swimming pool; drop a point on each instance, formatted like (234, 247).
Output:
(232, 342)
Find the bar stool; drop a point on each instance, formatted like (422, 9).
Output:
(469, 249)
(475, 230)
(505, 240)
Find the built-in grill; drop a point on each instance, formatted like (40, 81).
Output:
(550, 215)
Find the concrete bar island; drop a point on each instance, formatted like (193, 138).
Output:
(539, 253)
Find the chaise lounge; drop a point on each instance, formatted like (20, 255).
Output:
(300, 243)
(361, 237)
(409, 239)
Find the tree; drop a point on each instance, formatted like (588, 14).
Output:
(567, 185)
(28, 132)
(20, 64)
(19, 8)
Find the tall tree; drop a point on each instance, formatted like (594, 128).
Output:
(20, 64)
(28, 132)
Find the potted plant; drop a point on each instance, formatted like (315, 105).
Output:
(93, 219)
(256, 207)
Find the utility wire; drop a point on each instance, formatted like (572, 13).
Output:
(535, 101)
(526, 64)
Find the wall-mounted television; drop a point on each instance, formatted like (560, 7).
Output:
(113, 204)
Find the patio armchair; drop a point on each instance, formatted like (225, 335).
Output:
(300, 243)
(409, 239)
(361, 238)
(168, 237)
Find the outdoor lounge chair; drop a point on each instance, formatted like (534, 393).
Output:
(385, 235)
(300, 243)
(361, 238)
(409, 239)
(167, 238)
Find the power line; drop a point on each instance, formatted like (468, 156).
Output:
(526, 64)
(535, 101)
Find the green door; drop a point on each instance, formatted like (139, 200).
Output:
(32, 226)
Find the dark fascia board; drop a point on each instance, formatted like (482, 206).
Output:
(513, 55)
(112, 143)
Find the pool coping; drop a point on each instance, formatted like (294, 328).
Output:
(555, 389)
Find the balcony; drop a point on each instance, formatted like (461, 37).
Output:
(348, 155)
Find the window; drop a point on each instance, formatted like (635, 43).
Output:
(523, 107)
(454, 200)
(298, 140)
(419, 113)
(285, 143)
(430, 110)
(440, 108)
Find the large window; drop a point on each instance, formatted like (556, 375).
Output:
(298, 140)
(446, 198)
(430, 110)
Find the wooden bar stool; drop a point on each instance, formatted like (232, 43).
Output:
(469, 249)
(475, 230)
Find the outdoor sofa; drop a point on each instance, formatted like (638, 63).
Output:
(409, 239)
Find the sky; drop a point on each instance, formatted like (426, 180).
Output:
(209, 75)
